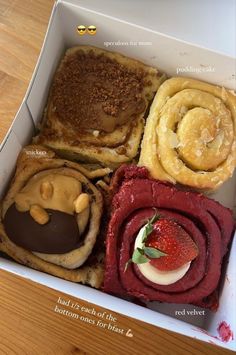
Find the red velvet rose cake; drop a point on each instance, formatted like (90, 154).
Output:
(163, 243)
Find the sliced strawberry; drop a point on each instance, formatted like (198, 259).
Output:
(170, 238)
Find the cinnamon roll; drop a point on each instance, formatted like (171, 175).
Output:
(50, 217)
(164, 244)
(95, 111)
(190, 134)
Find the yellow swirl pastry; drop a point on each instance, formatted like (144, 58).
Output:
(190, 134)
(95, 111)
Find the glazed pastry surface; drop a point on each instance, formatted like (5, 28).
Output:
(190, 134)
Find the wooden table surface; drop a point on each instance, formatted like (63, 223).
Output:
(27, 323)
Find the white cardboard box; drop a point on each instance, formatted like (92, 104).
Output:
(167, 54)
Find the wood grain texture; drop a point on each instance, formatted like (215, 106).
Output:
(23, 24)
(28, 323)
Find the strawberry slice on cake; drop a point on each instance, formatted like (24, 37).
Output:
(176, 244)
(163, 243)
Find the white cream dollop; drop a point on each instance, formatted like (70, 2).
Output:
(157, 276)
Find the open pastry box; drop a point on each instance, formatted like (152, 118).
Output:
(167, 54)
